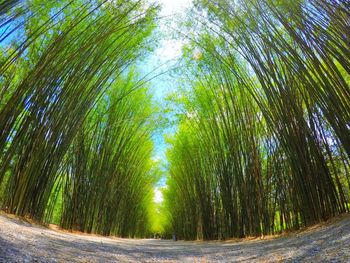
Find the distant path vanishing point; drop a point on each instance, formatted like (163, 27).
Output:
(24, 242)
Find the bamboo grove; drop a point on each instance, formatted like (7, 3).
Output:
(76, 123)
(263, 140)
(262, 144)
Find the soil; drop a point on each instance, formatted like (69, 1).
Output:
(23, 241)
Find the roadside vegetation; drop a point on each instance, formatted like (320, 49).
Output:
(76, 120)
(262, 116)
(263, 140)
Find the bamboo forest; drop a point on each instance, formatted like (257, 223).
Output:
(243, 133)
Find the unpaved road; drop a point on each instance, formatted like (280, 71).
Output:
(23, 242)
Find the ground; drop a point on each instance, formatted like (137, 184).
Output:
(21, 241)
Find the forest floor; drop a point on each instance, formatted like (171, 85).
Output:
(22, 241)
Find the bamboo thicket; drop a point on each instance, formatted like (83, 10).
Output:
(57, 61)
(268, 119)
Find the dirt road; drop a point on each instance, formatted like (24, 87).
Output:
(24, 242)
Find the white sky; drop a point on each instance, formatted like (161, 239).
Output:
(171, 10)
(171, 7)
(158, 196)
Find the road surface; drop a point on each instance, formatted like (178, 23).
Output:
(21, 241)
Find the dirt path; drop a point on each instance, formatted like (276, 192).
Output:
(23, 242)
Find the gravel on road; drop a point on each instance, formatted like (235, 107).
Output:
(21, 241)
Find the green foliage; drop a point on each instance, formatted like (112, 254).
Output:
(75, 122)
(108, 176)
(262, 145)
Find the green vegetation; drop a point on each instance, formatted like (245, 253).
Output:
(263, 144)
(263, 130)
(75, 123)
